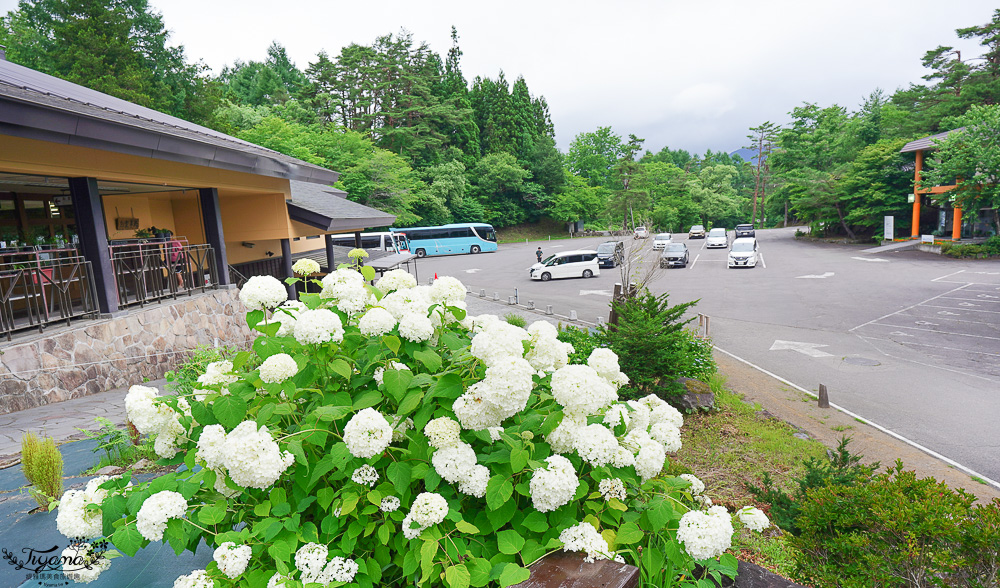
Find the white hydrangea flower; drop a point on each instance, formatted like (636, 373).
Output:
(442, 432)
(354, 298)
(495, 433)
(396, 279)
(553, 487)
(415, 327)
(706, 535)
(498, 340)
(286, 314)
(400, 427)
(667, 434)
(617, 414)
(475, 482)
(151, 520)
(697, 486)
(474, 412)
(232, 559)
(584, 537)
(638, 416)
(279, 581)
(612, 488)
(429, 509)
(376, 321)
(252, 458)
(81, 564)
(563, 439)
(547, 353)
(318, 326)
(73, 519)
(581, 391)
(221, 487)
(605, 363)
(367, 433)
(165, 444)
(310, 559)
(278, 368)
(339, 282)
(263, 293)
(704, 501)
(211, 446)
(389, 503)
(393, 365)
(597, 445)
(623, 458)
(144, 410)
(447, 290)
(753, 518)
(454, 462)
(403, 303)
(196, 579)
(661, 412)
(305, 267)
(366, 475)
(341, 569)
(649, 461)
(218, 373)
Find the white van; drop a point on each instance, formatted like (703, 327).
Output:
(660, 240)
(743, 253)
(568, 264)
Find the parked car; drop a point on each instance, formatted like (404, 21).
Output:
(660, 240)
(743, 253)
(640, 233)
(674, 255)
(717, 237)
(697, 232)
(744, 231)
(610, 254)
(568, 264)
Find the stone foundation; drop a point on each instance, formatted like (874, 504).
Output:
(94, 356)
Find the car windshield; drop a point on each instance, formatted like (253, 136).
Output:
(717, 233)
(742, 247)
(663, 237)
(547, 260)
(744, 227)
(697, 228)
(675, 247)
(606, 248)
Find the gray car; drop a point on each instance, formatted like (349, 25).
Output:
(674, 255)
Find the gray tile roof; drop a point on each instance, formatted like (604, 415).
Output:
(39, 106)
(927, 143)
(328, 209)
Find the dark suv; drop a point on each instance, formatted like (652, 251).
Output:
(744, 231)
(610, 253)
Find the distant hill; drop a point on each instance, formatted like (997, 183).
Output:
(744, 154)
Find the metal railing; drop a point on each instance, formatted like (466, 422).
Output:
(240, 272)
(154, 270)
(45, 288)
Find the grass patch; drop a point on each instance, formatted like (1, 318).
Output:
(841, 428)
(543, 230)
(768, 550)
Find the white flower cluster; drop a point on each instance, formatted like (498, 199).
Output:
(428, 509)
(605, 362)
(321, 325)
(311, 561)
(584, 537)
(612, 488)
(389, 504)
(400, 427)
(697, 486)
(447, 290)
(286, 314)
(498, 340)
(305, 267)
(753, 518)
(278, 368)
(581, 391)
(706, 535)
(455, 460)
(395, 280)
(500, 395)
(553, 487)
(263, 293)
(376, 322)
(232, 559)
(150, 416)
(279, 581)
(393, 365)
(151, 521)
(81, 564)
(366, 475)
(218, 373)
(367, 434)
(416, 327)
(196, 579)
(547, 353)
(251, 457)
(346, 289)
(73, 519)
(442, 432)
(407, 301)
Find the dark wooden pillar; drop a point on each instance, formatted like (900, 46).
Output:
(330, 265)
(93, 233)
(357, 239)
(211, 220)
(286, 266)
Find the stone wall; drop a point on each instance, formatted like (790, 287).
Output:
(94, 356)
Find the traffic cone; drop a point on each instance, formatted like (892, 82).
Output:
(435, 275)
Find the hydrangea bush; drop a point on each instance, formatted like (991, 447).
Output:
(386, 438)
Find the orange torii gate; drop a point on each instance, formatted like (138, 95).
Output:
(918, 148)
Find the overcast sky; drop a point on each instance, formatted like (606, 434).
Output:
(692, 74)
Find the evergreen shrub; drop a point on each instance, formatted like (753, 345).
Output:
(42, 465)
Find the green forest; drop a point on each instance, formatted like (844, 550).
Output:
(412, 136)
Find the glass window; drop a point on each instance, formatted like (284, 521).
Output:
(371, 242)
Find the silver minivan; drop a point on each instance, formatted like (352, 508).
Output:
(567, 264)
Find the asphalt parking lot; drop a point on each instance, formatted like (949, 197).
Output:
(907, 339)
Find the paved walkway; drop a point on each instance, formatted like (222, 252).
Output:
(893, 246)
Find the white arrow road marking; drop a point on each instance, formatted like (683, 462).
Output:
(946, 313)
(871, 259)
(967, 304)
(825, 275)
(900, 334)
(596, 293)
(809, 349)
(473, 270)
(926, 323)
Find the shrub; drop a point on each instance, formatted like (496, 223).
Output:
(121, 447)
(515, 319)
(408, 442)
(42, 465)
(583, 341)
(184, 379)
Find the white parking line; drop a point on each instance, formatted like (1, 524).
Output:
(977, 298)
(938, 332)
(762, 261)
(695, 261)
(947, 276)
(941, 347)
(963, 309)
(909, 307)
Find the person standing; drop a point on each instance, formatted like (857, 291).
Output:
(177, 261)
(538, 254)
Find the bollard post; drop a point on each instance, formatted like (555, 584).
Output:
(531, 305)
(482, 292)
(572, 315)
(824, 397)
(510, 300)
(548, 309)
(600, 321)
(496, 296)
(517, 299)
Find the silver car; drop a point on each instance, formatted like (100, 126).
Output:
(717, 238)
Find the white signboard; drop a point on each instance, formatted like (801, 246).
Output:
(889, 231)
(926, 238)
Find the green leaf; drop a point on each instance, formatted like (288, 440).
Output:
(254, 317)
(467, 527)
(396, 382)
(453, 342)
(325, 496)
(479, 570)
(410, 403)
(368, 272)
(429, 358)
(201, 412)
(214, 514)
(498, 491)
(628, 534)
(128, 539)
(342, 368)
(368, 399)
(383, 533)
(392, 342)
(447, 386)
(458, 576)
(230, 410)
(350, 501)
(281, 550)
(399, 473)
(535, 521)
(513, 574)
(331, 413)
(427, 552)
(518, 459)
(510, 541)
(339, 455)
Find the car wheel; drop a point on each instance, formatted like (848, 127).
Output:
(474, 249)
(588, 274)
(421, 253)
(546, 277)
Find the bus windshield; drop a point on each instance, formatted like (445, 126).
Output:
(486, 232)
